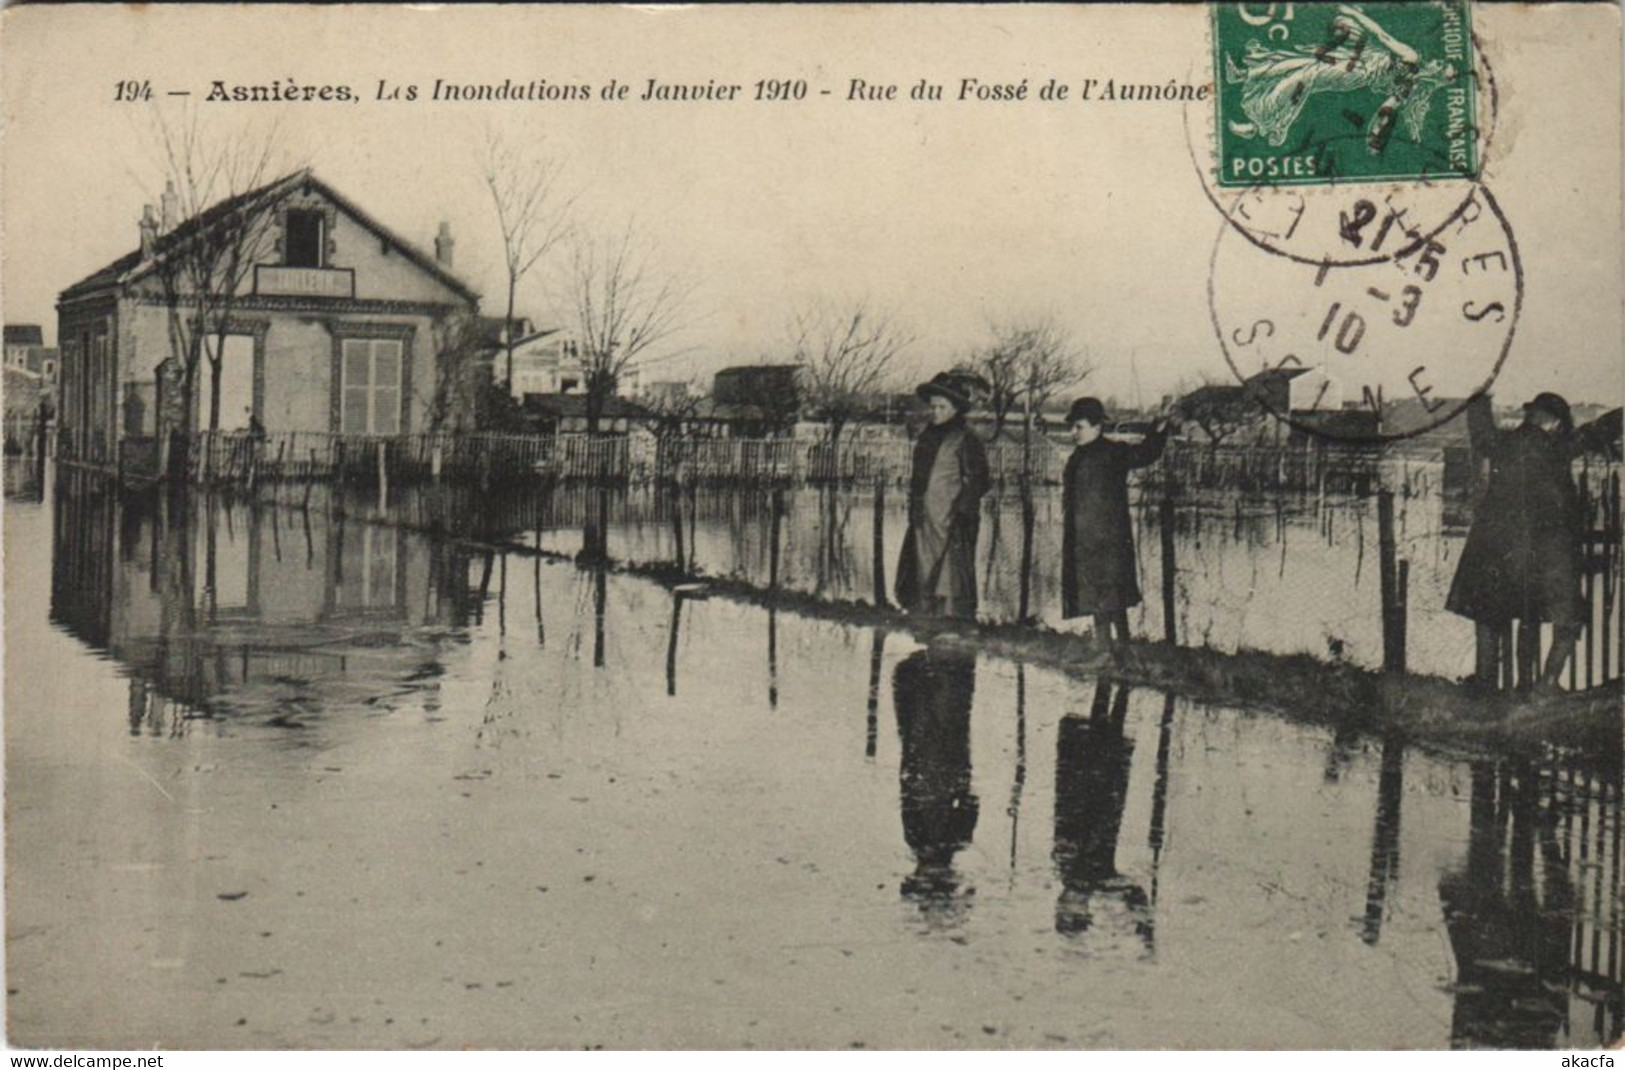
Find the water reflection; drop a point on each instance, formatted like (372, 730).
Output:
(932, 690)
(1092, 762)
(211, 602)
(1385, 837)
(1500, 909)
(1528, 946)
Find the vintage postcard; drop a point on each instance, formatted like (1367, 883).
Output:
(826, 527)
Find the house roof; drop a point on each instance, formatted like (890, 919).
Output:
(1275, 375)
(132, 266)
(1411, 416)
(24, 334)
(491, 330)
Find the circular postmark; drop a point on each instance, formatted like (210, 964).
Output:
(1371, 352)
(1385, 146)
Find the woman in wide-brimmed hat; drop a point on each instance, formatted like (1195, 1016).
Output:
(936, 574)
(1522, 557)
(1097, 542)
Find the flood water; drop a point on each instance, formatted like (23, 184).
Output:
(301, 776)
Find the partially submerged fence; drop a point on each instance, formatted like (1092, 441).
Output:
(240, 456)
(489, 458)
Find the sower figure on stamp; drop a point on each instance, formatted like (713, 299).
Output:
(1522, 557)
(1097, 543)
(936, 574)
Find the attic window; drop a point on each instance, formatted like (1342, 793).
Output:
(302, 240)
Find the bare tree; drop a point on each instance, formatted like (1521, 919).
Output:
(668, 412)
(626, 308)
(218, 201)
(462, 379)
(1026, 364)
(847, 352)
(533, 215)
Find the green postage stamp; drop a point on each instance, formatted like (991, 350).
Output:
(1316, 93)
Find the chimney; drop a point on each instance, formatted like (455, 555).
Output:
(444, 244)
(149, 232)
(168, 201)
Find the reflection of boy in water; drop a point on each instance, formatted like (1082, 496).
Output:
(1092, 759)
(932, 691)
(1510, 942)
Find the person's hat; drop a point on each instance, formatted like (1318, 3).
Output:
(955, 386)
(1086, 409)
(1553, 405)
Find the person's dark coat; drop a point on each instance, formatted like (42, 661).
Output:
(1522, 556)
(1097, 542)
(936, 572)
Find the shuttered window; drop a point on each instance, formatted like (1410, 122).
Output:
(370, 393)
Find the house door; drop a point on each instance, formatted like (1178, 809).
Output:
(236, 383)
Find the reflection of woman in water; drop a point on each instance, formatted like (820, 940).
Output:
(1092, 759)
(1360, 54)
(932, 691)
(1510, 941)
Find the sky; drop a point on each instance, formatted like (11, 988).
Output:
(950, 215)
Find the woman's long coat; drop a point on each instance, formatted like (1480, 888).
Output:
(936, 572)
(1097, 542)
(1522, 557)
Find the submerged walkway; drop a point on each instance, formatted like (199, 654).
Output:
(1412, 707)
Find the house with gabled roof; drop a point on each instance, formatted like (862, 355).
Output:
(332, 329)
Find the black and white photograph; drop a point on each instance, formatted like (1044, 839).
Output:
(813, 527)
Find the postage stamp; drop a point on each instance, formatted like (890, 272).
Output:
(1312, 94)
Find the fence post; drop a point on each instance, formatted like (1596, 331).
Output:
(880, 541)
(435, 461)
(1402, 602)
(777, 508)
(1165, 525)
(676, 492)
(1024, 605)
(1393, 628)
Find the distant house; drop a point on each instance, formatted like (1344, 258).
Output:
(26, 351)
(1250, 411)
(567, 414)
(333, 332)
(549, 361)
(759, 400)
(773, 400)
(19, 339)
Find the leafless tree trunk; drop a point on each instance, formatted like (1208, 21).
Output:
(533, 216)
(848, 352)
(204, 264)
(1027, 363)
(452, 399)
(626, 308)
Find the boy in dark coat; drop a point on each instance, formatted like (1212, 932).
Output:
(1097, 543)
(1522, 557)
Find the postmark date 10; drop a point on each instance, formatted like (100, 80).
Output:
(131, 90)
